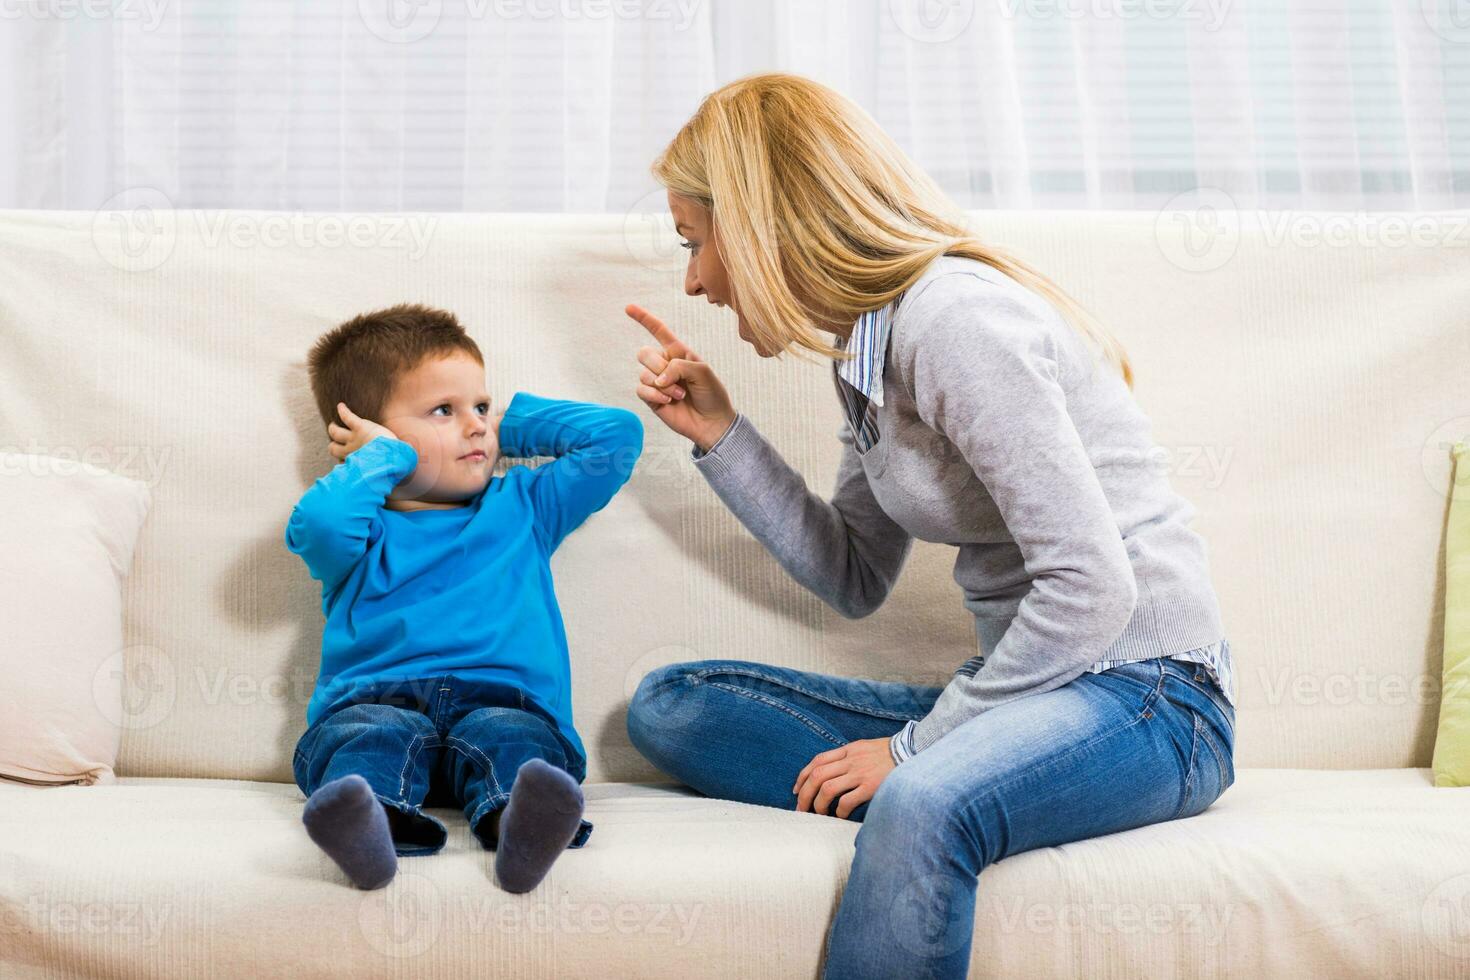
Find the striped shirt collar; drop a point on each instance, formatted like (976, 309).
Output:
(868, 345)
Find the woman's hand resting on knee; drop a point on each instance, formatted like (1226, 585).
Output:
(852, 772)
(681, 389)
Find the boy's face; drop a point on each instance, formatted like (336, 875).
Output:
(441, 409)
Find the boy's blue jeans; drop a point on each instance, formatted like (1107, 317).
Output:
(435, 741)
(1137, 744)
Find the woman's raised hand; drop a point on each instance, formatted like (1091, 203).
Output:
(681, 389)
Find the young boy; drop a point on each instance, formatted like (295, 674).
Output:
(445, 678)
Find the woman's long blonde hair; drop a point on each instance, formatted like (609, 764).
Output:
(821, 217)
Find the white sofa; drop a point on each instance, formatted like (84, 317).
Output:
(1299, 392)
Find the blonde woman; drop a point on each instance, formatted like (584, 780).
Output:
(977, 395)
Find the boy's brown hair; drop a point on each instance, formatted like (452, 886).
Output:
(359, 361)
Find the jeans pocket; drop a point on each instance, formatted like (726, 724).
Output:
(1227, 758)
(1197, 679)
(1224, 710)
(1204, 777)
(1145, 676)
(1224, 763)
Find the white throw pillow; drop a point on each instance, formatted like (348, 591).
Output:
(67, 533)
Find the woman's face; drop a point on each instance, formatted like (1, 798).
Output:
(706, 275)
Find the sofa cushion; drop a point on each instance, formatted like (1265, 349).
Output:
(1290, 873)
(67, 534)
(1452, 745)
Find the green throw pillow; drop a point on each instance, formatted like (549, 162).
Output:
(1452, 746)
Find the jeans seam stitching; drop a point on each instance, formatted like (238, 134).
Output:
(825, 699)
(471, 751)
(414, 748)
(1221, 708)
(1154, 692)
(1215, 750)
(309, 731)
(1209, 690)
(836, 740)
(1189, 771)
(444, 702)
(496, 802)
(1153, 696)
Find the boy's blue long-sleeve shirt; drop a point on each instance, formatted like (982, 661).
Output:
(466, 590)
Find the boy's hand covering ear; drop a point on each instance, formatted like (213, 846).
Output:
(358, 432)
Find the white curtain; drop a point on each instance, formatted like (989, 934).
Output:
(559, 105)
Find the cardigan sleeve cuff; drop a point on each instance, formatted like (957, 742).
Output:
(901, 745)
(730, 452)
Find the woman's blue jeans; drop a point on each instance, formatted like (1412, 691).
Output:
(1137, 744)
(435, 741)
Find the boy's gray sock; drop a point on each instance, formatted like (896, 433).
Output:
(542, 817)
(346, 820)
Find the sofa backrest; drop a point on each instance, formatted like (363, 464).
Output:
(1302, 373)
